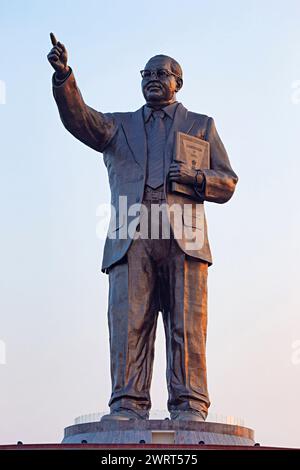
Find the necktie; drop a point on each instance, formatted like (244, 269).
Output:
(156, 147)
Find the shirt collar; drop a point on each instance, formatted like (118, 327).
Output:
(170, 110)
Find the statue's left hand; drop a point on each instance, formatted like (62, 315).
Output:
(182, 173)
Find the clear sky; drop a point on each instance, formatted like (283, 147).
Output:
(241, 63)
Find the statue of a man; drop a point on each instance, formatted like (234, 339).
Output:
(152, 274)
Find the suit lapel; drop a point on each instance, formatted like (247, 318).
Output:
(134, 129)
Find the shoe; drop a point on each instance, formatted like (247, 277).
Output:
(190, 415)
(122, 415)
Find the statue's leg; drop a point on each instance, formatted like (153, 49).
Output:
(132, 315)
(185, 321)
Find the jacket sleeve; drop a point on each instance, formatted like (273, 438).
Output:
(220, 180)
(91, 127)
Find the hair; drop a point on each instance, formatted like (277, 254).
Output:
(175, 67)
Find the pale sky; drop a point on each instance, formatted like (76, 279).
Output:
(241, 63)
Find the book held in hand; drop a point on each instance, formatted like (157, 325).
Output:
(194, 151)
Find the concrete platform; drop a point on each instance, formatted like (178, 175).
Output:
(159, 432)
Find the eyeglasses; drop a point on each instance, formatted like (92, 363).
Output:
(161, 74)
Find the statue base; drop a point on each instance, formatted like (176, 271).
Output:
(158, 432)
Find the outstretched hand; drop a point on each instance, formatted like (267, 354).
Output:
(58, 57)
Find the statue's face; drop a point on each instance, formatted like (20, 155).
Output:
(157, 90)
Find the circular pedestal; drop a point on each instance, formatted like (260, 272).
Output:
(158, 432)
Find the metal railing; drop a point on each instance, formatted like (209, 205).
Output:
(163, 414)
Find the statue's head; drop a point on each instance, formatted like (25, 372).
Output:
(162, 78)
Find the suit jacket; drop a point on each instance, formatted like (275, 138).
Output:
(121, 138)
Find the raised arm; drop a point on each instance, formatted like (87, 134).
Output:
(91, 127)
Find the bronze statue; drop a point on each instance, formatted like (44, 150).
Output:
(148, 275)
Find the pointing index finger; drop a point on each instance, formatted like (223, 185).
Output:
(53, 39)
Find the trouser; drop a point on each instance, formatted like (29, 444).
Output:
(156, 275)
